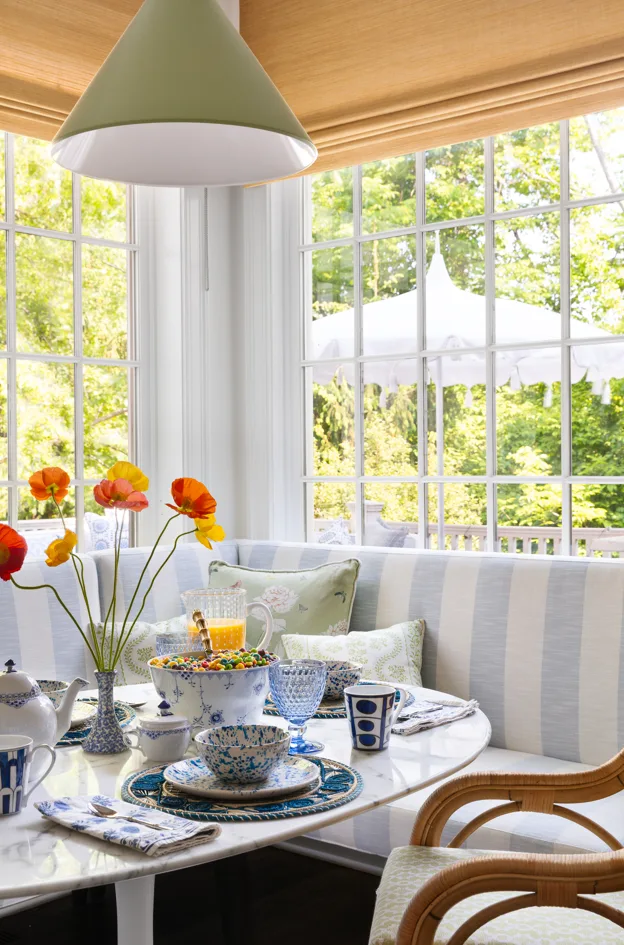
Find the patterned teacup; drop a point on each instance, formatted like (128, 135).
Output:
(371, 713)
(16, 754)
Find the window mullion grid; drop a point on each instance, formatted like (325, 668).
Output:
(78, 369)
(566, 380)
(490, 356)
(133, 346)
(358, 399)
(11, 332)
(421, 380)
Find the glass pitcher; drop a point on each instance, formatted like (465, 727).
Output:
(225, 610)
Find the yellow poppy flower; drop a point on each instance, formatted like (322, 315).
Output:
(133, 474)
(206, 530)
(59, 551)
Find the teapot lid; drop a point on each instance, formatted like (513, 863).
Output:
(165, 720)
(14, 681)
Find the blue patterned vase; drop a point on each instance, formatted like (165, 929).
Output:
(106, 736)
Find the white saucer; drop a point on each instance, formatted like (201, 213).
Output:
(82, 712)
(193, 777)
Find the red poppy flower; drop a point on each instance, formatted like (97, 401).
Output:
(119, 494)
(13, 550)
(49, 482)
(192, 498)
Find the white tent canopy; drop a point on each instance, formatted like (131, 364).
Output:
(455, 320)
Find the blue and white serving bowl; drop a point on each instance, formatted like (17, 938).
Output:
(340, 674)
(243, 754)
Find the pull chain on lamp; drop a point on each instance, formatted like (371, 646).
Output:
(181, 100)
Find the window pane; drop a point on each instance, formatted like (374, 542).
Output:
(389, 295)
(333, 448)
(43, 189)
(99, 525)
(526, 167)
(391, 514)
(4, 430)
(106, 408)
(45, 416)
(331, 332)
(455, 310)
(597, 403)
(332, 507)
(2, 289)
(389, 194)
(597, 271)
(528, 412)
(454, 182)
(465, 516)
(527, 279)
(105, 302)
(456, 415)
(390, 430)
(103, 207)
(40, 522)
(2, 180)
(529, 518)
(597, 154)
(4, 506)
(596, 506)
(44, 289)
(332, 205)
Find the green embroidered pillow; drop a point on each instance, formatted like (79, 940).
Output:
(391, 655)
(141, 647)
(314, 601)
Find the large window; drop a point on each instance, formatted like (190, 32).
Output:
(67, 339)
(463, 362)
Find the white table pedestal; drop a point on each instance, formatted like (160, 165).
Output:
(135, 911)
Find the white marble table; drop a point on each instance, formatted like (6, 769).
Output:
(38, 857)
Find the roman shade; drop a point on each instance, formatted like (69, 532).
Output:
(367, 79)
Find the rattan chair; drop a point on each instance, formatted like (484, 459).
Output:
(423, 881)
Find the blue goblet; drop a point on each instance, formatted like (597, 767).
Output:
(297, 687)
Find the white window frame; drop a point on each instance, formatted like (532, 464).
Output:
(11, 355)
(420, 229)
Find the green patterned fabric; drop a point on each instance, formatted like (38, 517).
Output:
(408, 868)
(141, 647)
(312, 601)
(391, 655)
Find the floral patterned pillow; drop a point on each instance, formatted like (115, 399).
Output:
(314, 601)
(391, 655)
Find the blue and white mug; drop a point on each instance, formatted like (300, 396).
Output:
(371, 712)
(16, 754)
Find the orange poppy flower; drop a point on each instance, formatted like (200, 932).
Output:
(192, 498)
(13, 550)
(50, 482)
(59, 551)
(207, 530)
(119, 494)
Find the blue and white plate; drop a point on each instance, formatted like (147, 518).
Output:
(191, 776)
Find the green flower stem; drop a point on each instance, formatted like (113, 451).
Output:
(144, 571)
(48, 587)
(118, 534)
(124, 639)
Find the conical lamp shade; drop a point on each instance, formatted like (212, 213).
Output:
(182, 100)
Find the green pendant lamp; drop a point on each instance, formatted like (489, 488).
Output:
(181, 100)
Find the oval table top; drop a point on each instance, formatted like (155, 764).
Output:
(38, 857)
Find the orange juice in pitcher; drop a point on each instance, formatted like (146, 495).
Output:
(225, 612)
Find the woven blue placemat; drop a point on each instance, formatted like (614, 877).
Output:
(76, 736)
(326, 710)
(339, 785)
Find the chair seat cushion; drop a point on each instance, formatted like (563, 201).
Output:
(380, 830)
(408, 868)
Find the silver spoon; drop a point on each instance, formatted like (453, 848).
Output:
(102, 811)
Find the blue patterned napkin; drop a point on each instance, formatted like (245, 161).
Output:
(73, 812)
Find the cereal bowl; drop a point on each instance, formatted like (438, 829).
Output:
(340, 674)
(243, 753)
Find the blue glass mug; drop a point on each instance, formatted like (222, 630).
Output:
(371, 713)
(16, 754)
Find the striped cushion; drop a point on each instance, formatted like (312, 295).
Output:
(35, 630)
(187, 569)
(537, 640)
(381, 830)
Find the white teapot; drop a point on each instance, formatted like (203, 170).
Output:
(25, 710)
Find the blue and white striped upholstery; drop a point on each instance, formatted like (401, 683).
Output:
(36, 632)
(187, 569)
(537, 640)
